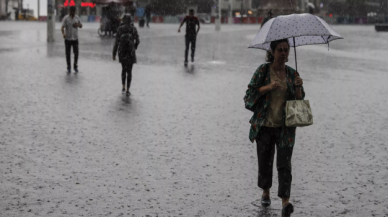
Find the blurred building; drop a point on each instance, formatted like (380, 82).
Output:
(235, 8)
(357, 8)
(28, 12)
(178, 7)
(143, 3)
(2, 8)
(279, 7)
(12, 8)
(87, 13)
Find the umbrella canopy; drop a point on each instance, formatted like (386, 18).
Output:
(299, 29)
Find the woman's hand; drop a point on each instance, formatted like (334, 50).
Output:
(298, 81)
(298, 89)
(275, 84)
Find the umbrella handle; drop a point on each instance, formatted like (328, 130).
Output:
(296, 64)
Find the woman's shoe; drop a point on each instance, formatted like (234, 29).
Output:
(287, 210)
(265, 201)
(128, 93)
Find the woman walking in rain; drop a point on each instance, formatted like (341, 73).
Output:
(127, 41)
(271, 86)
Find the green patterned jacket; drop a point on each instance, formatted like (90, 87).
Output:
(259, 104)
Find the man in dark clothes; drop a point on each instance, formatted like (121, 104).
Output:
(191, 33)
(70, 25)
(147, 14)
(268, 17)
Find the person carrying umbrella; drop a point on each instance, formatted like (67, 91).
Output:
(127, 41)
(272, 85)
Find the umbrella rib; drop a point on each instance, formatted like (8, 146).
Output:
(323, 39)
(269, 28)
(296, 26)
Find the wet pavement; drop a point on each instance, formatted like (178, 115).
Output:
(73, 145)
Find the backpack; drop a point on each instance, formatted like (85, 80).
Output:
(127, 46)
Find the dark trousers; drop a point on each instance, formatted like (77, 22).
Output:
(126, 74)
(148, 20)
(266, 142)
(68, 45)
(190, 40)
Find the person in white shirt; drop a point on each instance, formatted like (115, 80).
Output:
(70, 25)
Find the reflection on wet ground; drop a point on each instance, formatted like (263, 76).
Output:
(190, 69)
(126, 99)
(71, 78)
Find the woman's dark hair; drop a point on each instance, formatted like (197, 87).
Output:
(270, 58)
(127, 19)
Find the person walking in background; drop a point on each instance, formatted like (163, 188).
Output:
(127, 41)
(132, 10)
(147, 14)
(191, 33)
(70, 25)
(268, 17)
(271, 86)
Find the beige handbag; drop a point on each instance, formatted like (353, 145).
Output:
(298, 113)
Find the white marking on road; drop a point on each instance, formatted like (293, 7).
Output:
(217, 62)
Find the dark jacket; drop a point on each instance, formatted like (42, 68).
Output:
(259, 103)
(125, 54)
(147, 12)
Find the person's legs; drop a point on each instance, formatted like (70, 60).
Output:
(68, 48)
(76, 51)
(123, 74)
(265, 156)
(129, 75)
(193, 43)
(283, 164)
(187, 48)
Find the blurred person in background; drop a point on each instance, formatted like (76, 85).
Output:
(147, 14)
(127, 41)
(268, 17)
(191, 33)
(70, 25)
(132, 10)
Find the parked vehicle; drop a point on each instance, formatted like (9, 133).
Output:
(27, 17)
